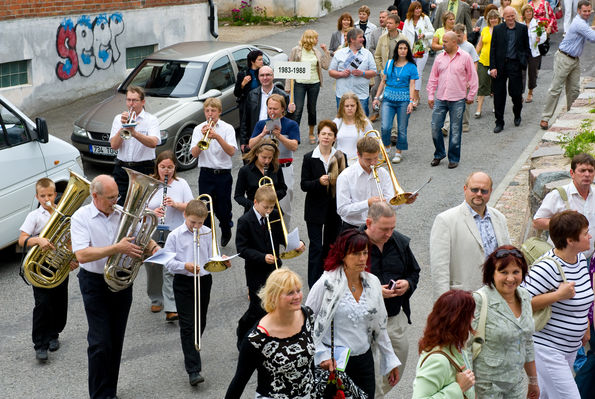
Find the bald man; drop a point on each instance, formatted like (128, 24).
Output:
(462, 237)
(93, 230)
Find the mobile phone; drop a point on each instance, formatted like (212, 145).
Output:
(392, 284)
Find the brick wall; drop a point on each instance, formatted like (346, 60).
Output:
(15, 9)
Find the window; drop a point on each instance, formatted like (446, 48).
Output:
(240, 57)
(13, 130)
(134, 55)
(168, 78)
(221, 76)
(13, 73)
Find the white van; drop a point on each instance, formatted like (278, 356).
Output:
(28, 153)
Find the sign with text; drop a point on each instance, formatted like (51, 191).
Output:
(292, 70)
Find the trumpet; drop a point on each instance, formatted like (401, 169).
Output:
(401, 196)
(267, 181)
(197, 333)
(212, 265)
(126, 133)
(205, 141)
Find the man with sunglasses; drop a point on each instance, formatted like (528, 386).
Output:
(462, 237)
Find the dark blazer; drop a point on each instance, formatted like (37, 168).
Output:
(319, 201)
(253, 243)
(240, 92)
(252, 111)
(499, 44)
(247, 184)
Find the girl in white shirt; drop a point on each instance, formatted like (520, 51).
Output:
(352, 125)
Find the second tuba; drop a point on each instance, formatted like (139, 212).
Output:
(121, 270)
(49, 268)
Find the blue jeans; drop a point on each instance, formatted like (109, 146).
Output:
(364, 104)
(389, 109)
(455, 109)
(300, 90)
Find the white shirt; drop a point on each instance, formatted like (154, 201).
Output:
(35, 221)
(264, 96)
(469, 49)
(316, 154)
(214, 157)
(553, 203)
(347, 137)
(259, 217)
(359, 85)
(532, 31)
(89, 227)
(354, 187)
(133, 150)
(179, 191)
(181, 242)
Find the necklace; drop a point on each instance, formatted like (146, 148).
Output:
(353, 288)
(400, 71)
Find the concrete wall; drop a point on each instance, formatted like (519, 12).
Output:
(291, 8)
(76, 55)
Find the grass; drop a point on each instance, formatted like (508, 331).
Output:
(582, 142)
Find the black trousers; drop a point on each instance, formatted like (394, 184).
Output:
(49, 314)
(321, 236)
(121, 177)
(218, 186)
(107, 315)
(184, 294)
(361, 370)
(512, 72)
(254, 313)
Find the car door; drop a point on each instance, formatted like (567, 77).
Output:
(221, 77)
(22, 164)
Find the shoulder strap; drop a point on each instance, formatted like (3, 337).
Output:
(547, 14)
(481, 325)
(558, 265)
(564, 196)
(450, 359)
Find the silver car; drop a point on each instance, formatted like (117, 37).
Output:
(177, 79)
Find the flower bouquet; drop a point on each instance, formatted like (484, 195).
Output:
(419, 49)
(540, 28)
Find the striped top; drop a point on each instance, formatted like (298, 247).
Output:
(568, 323)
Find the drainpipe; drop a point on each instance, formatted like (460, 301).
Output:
(212, 13)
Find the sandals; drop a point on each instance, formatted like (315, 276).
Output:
(529, 99)
(312, 140)
(477, 115)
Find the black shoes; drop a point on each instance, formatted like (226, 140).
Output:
(498, 128)
(195, 378)
(41, 355)
(517, 121)
(54, 345)
(225, 239)
(436, 161)
(452, 165)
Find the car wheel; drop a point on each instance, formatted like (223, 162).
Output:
(182, 150)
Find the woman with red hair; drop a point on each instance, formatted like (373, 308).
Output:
(443, 366)
(347, 303)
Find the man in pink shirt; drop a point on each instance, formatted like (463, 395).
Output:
(452, 83)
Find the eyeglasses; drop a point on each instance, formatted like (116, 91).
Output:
(502, 253)
(133, 100)
(475, 190)
(266, 74)
(113, 198)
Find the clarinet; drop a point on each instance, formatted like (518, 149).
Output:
(162, 230)
(162, 220)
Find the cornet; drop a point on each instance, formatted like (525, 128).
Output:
(401, 196)
(205, 141)
(126, 133)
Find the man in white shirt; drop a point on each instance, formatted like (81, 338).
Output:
(579, 193)
(138, 151)
(215, 164)
(357, 188)
(93, 229)
(353, 67)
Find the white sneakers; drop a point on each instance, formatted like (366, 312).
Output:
(396, 158)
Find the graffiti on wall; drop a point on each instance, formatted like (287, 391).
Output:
(88, 45)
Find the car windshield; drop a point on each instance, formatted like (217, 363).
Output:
(168, 78)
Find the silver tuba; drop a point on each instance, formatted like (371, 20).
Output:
(121, 270)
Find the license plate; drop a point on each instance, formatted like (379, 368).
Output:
(99, 150)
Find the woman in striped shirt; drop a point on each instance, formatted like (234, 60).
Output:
(568, 328)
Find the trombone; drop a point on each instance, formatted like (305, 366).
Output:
(267, 181)
(213, 264)
(205, 141)
(401, 196)
(126, 133)
(197, 339)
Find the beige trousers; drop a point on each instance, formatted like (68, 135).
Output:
(567, 72)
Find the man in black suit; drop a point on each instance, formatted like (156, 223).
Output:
(508, 57)
(255, 105)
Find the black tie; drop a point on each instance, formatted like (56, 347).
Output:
(262, 223)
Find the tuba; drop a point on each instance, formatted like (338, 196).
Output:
(49, 268)
(212, 265)
(400, 195)
(205, 141)
(267, 181)
(121, 270)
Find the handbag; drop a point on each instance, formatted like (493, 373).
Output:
(480, 337)
(542, 316)
(335, 384)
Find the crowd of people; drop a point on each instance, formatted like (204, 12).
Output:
(361, 271)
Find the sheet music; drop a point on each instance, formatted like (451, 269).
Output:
(161, 257)
(293, 240)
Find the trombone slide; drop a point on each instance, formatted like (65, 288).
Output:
(197, 338)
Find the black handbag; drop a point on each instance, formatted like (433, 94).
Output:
(544, 47)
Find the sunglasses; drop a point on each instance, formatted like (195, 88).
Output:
(502, 253)
(475, 190)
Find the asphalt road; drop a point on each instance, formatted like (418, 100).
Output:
(152, 363)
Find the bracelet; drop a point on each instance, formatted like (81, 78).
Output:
(376, 98)
(532, 380)
(364, 75)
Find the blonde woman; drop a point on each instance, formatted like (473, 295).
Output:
(352, 124)
(318, 60)
(448, 23)
(483, 49)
